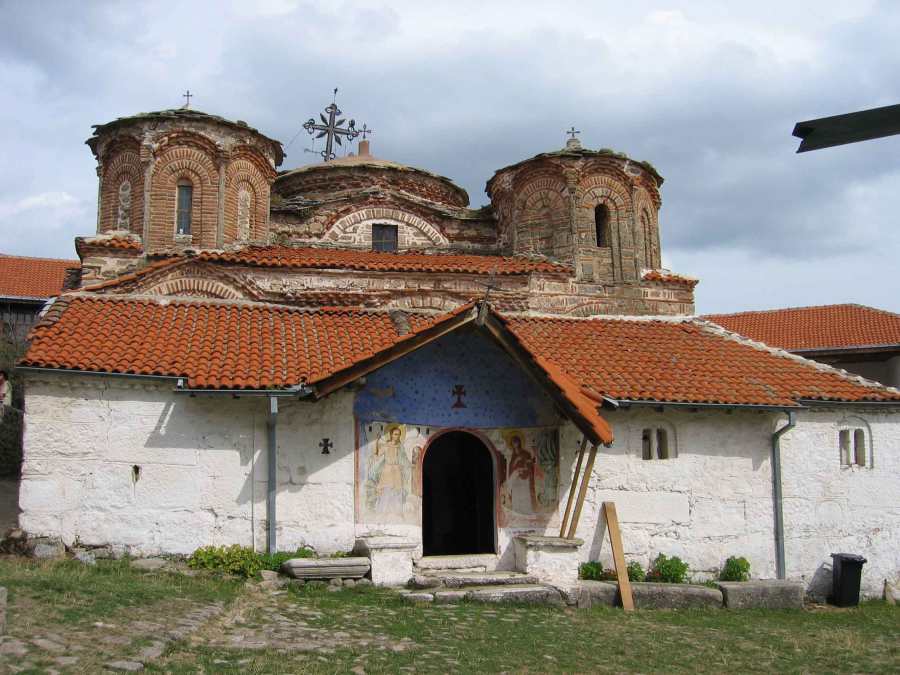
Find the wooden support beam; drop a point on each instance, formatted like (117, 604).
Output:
(615, 541)
(582, 492)
(572, 488)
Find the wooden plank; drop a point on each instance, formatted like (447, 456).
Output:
(615, 541)
(582, 492)
(572, 488)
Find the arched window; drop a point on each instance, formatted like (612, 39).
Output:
(601, 224)
(185, 202)
(656, 443)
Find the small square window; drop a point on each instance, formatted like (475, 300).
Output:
(384, 237)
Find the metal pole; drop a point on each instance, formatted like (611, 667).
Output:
(777, 496)
(272, 462)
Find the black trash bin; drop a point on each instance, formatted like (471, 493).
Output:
(846, 574)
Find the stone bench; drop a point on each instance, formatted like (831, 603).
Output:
(326, 568)
(762, 594)
(648, 595)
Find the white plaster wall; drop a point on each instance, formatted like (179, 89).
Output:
(829, 508)
(712, 501)
(203, 471)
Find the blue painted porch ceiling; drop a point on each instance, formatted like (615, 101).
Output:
(419, 388)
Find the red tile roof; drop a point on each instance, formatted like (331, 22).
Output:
(665, 276)
(213, 345)
(22, 277)
(823, 327)
(682, 361)
(247, 345)
(379, 261)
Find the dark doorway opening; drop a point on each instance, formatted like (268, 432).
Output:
(457, 496)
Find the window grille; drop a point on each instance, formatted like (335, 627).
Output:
(384, 237)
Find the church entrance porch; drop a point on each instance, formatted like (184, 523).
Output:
(458, 496)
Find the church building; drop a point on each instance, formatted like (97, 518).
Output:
(347, 356)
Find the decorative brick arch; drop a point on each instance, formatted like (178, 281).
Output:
(542, 215)
(173, 164)
(589, 309)
(243, 173)
(356, 228)
(196, 287)
(124, 165)
(646, 230)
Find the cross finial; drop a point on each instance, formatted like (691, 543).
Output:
(187, 99)
(330, 129)
(365, 131)
(572, 132)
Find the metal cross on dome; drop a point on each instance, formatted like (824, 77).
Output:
(330, 129)
(572, 132)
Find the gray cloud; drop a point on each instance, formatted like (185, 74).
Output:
(708, 93)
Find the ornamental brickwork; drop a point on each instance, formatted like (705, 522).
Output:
(588, 219)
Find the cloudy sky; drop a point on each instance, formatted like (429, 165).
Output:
(707, 92)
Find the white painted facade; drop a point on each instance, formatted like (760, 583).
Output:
(128, 462)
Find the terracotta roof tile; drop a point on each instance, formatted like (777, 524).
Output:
(684, 362)
(664, 276)
(33, 277)
(823, 327)
(213, 345)
(257, 346)
(379, 261)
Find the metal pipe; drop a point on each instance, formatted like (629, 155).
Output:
(272, 464)
(777, 496)
(301, 391)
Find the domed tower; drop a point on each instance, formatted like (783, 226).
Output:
(184, 179)
(595, 209)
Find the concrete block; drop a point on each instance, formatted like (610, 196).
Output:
(326, 568)
(600, 593)
(769, 594)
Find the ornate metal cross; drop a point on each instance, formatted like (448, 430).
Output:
(365, 131)
(326, 446)
(571, 132)
(459, 391)
(187, 99)
(331, 129)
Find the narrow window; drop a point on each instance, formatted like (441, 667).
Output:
(646, 440)
(384, 237)
(662, 444)
(844, 437)
(601, 224)
(859, 447)
(185, 201)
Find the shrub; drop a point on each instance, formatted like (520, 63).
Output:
(242, 561)
(239, 560)
(736, 569)
(274, 561)
(636, 572)
(668, 570)
(593, 571)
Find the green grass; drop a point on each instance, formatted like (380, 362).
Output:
(64, 600)
(68, 591)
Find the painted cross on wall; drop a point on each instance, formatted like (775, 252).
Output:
(459, 391)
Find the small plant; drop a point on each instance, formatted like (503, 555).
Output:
(736, 569)
(635, 571)
(668, 570)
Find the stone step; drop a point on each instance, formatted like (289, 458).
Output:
(474, 562)
(458, 579)
(537, 594)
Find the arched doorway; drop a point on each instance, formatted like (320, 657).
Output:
(457, 496)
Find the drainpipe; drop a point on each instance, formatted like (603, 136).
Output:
(272, 462)
(777, 496)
